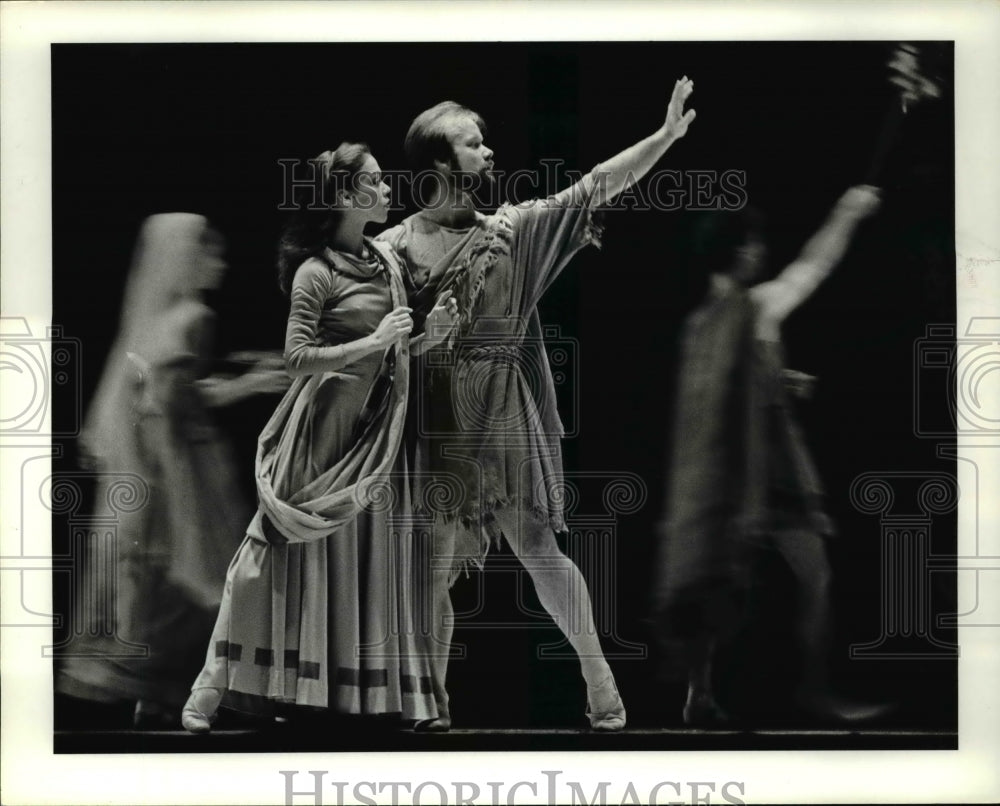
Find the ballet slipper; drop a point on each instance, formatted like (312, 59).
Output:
(440, 724)
(611, 719)
(199, 710)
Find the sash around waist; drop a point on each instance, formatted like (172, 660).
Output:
(489, 352)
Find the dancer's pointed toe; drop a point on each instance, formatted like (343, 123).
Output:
(200, 710)
(605, 709)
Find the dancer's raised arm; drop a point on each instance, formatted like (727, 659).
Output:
(796, 283)
(630, 165)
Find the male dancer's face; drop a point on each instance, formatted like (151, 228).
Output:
(472, 160)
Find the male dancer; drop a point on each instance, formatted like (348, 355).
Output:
(740, 474)
(481, 422)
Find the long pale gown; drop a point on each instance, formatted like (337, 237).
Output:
(322, 604)
(171, 553)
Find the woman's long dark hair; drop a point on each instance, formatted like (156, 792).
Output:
(308, 229)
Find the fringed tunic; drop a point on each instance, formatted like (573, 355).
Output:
(484, 422)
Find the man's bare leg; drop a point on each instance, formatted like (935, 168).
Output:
(563, 592)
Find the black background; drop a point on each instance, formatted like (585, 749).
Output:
(141, 129)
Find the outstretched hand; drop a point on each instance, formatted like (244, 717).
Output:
(911, 78)
(629, 166)
(266, 380)
(677, 121)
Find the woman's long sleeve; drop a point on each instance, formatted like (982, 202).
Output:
(312, 287)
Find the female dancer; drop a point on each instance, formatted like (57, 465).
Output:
(319, 602)
(150, 420)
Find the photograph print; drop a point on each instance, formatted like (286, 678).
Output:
(416, 400)
(422, 397)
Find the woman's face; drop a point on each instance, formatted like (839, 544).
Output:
(370, 199)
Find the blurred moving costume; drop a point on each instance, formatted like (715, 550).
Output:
(149, 419)
(739, 469)
(740, 475)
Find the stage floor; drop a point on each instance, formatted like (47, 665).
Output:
(288, 738)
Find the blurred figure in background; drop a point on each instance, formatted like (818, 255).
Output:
(740, 474)
(150, 417)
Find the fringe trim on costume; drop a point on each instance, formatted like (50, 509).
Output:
(485, 520)
(469, 279)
